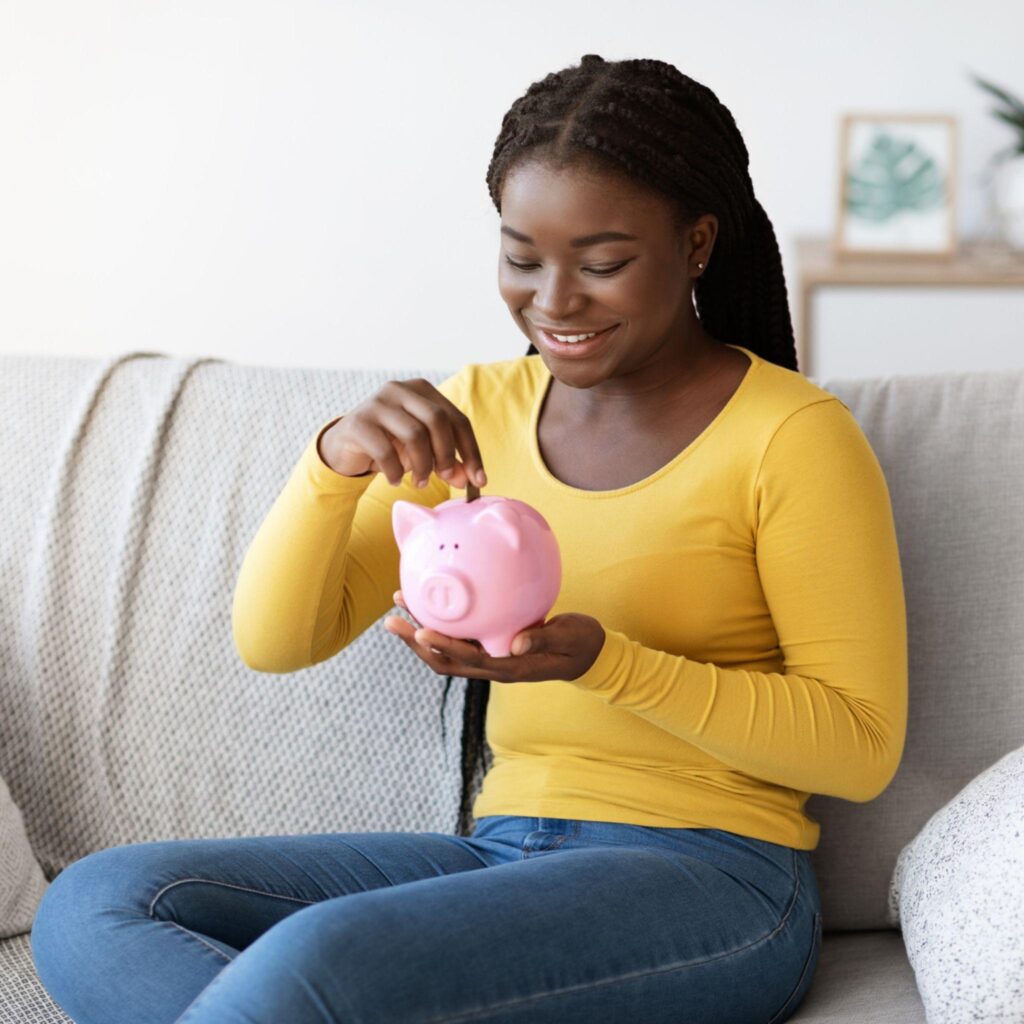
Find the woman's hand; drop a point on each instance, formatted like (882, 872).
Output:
(564, 647)
(405, 426)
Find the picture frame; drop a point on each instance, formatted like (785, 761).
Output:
(897, 187)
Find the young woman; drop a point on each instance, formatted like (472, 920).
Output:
(730, 636)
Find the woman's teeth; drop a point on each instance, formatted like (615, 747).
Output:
(560, 342)
(571, 338)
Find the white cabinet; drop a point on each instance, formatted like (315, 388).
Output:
(895, 317)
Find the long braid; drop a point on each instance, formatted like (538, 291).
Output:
(647, 122)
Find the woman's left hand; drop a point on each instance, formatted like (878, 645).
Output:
(564, 647)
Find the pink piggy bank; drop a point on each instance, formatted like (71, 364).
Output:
(477, 570)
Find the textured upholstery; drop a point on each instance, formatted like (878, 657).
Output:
(131, 488)
(22, 882)
(957, 894)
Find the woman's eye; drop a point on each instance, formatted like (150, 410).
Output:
(599, 271)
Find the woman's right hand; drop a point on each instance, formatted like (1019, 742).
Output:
(405, 425)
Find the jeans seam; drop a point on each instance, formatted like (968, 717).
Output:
(198, 938)
(482, 1012)
(787, 1005)
(226, 885)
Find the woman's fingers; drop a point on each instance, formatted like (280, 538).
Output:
(397, 625)
(400, 601)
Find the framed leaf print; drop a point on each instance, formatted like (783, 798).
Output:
(897, 186)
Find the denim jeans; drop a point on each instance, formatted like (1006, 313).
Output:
(527, 920)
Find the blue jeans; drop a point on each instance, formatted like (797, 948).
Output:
(527, 920)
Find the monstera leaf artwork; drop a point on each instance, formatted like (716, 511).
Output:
(897, 185)
(891, 176)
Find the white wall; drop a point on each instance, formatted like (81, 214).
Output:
(302, 182)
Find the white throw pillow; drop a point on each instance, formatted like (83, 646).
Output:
(22, 882)
(957, 895)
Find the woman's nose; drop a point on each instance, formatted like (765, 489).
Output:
(557, 297)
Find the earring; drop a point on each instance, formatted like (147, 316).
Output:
(701, 265)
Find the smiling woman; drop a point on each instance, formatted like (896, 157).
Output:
(615, 181)
(729, 636)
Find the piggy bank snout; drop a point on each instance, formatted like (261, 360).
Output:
(447, 593)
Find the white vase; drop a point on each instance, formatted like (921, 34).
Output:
(1008, 193)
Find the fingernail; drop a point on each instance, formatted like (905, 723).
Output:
(446, 473)
(481, 478)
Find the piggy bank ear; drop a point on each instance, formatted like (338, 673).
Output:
(406, 516)
(502, 519)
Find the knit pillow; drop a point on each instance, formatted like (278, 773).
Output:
(22, 882)
(957, 895)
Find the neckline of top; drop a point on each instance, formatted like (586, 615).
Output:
(551, 480)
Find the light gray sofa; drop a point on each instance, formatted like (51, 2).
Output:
(130, 489)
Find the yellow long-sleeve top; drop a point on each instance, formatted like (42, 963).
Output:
(750, 591)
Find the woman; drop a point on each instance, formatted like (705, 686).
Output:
(730, 636)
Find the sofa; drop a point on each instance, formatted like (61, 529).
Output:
(130, 489)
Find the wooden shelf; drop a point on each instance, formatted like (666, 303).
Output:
(975, 264)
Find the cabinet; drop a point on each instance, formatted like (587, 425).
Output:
(873, 317)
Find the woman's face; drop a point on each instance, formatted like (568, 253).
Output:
(643, 284)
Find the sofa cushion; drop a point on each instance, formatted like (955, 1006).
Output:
(957, 894)
(862, 978)
(22, 883)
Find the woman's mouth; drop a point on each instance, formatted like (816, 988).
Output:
(575, 349)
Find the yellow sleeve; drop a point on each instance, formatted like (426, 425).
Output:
(323, 565)
(834, 721)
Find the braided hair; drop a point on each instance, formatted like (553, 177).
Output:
(647, 122)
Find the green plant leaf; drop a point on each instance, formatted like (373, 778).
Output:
(1014, 120)
(893, 175)
(1006, 97)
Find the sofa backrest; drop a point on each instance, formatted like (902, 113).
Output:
(133, 486)
(951, 446)
(131, 490)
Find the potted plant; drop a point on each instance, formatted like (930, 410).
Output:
(1007, 180)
